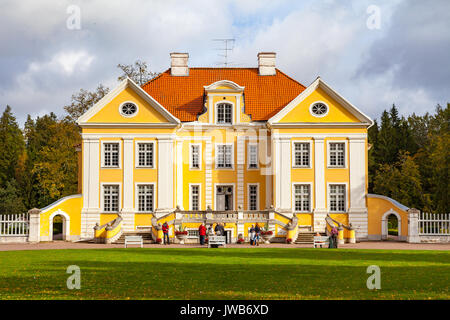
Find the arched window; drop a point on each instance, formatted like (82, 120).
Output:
(224, 113)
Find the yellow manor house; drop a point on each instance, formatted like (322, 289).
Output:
(237, 146)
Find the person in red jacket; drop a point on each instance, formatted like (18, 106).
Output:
(202, 233)
(165, 229)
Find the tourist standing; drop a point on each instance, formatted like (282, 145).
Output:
(252, 235)
(257, 234)
(333, 238)
(165, 229)
(202, 233)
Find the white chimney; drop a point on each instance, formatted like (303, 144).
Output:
(266, 63)
(179, 64)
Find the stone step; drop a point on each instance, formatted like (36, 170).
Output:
(306, 238)
(144, 241)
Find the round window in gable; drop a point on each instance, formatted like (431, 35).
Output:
(318, 109)
(128, 109)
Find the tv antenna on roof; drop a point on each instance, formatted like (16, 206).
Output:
(228, 46)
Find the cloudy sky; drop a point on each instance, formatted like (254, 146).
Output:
(374, 53)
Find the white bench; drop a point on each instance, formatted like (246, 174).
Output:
(134, 240)
(321, 241)
(217, 240)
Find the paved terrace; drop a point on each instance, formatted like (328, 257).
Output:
(389, 245)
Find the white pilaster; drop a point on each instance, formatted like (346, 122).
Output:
(282, 148)
(357, 212)
(208, 174)
(240, 170)
(268, 171)
(357, 174)
(90, 213)
(320, 210)
(285, 159)
(165, 174)
(85, 187)
(127, 211)
(180, 174)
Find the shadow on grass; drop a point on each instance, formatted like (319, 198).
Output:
(196, 280)
(441, 257)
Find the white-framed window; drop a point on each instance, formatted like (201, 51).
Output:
(194, 197)
(111, 154)
(301, 154)
(252, 158)
(253, 197)
(195, 156)
(111, 197)
(302, 197)
(337, 197)
(319, 109)
(224, 113)
(128, 109)
(145, 154)
(336, 154)
(224, 156)
(145, 197)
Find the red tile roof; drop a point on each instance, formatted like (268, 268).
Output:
(183, 96)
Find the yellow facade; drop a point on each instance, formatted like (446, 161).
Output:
(173, 177)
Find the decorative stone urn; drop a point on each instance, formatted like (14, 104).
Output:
(181, 236)
(267, 235)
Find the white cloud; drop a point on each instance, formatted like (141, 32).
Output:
(44, 63)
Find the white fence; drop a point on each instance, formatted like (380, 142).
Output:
(14, 224)
(436, 224)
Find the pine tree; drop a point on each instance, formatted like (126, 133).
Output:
(10, 201)
(11, 145)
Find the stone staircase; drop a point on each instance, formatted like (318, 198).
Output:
(305, 238)
(146, 237)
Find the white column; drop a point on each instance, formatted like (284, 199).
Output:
(277, 171)
(267, 160)
(320, 210)
(240, 170)
(127, 211)
(285, 159)
(357, 212)
(90, 213)
(208, 174)
(282, 149)
(94, 172)
(180, 174)
(165, 175)
(85, 188)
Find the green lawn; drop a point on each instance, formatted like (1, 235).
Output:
(224, 274)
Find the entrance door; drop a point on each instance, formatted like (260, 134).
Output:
(58, 225)
(224, 198)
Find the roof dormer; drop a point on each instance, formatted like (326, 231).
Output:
(224, 102)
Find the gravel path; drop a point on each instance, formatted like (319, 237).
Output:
(390, 245)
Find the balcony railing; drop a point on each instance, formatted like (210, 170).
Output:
(203, 215)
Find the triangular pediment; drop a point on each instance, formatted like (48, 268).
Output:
(108, 109)
(337, 110)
